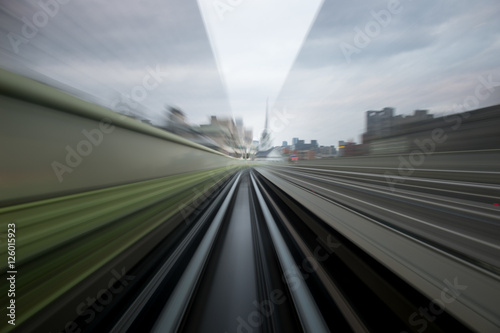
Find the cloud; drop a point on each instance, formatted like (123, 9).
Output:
(429, 55)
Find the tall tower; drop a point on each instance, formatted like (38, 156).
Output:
(265, 138)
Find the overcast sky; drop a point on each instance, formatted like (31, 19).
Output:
(322, 65)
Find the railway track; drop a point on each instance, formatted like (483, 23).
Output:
(253, 259)
(444, 220)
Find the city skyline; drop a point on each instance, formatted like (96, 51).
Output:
(417, 55)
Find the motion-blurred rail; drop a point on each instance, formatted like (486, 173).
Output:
(255, 260)
(177, 237)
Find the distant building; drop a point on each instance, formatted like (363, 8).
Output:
(327, 151)
(303, 150)
(477, 130)
(353, 149)
(248, 136)
(178, 125)
(245, 135)
(301, 145)
(265, 151)
(384, 123)
(341, 148)
(265, 138)
(229, 135)
(284, 144)
(304, 154)
(379, 122)
(387, 134)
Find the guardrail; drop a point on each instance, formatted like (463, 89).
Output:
(54, 144)
(82, 185)
(468, 292)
